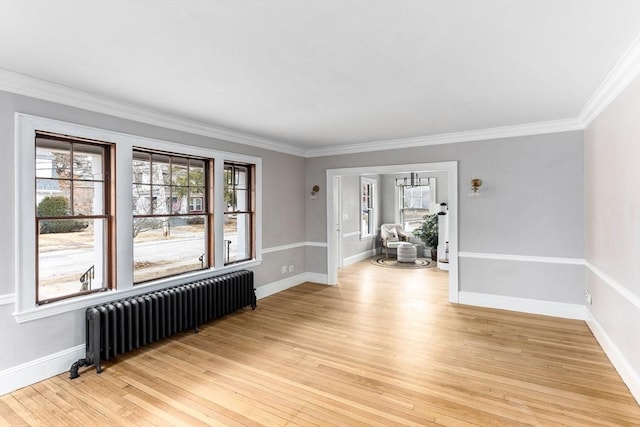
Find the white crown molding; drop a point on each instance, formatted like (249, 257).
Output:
(554, 126)
(625, 70)
(615, 285)
(22, 84)
(7, 299)
(523, 258)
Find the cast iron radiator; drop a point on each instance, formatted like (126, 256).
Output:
(120, 326)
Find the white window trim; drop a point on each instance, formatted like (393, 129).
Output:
(433, 205)
(25, 239)
(374, 198)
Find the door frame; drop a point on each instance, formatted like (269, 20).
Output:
(333, 245)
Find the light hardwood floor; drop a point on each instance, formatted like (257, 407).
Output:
(382, 348)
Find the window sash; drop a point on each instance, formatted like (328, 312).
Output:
(81, 171)
(164, 186)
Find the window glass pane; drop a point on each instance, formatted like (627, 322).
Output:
(237, 235)
(87, 162)
(160, 170)
(179, 171)
(57, 204)
(196, 201)
(165, 246)
(412, 218)
(141, 169)
(70, 257)
(88, 198)
(196, 173)
(141, 199)
(179, 201)
(53, 158)
(242, 200)
(161, 200)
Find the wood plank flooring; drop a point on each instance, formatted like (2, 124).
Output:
(382, 348)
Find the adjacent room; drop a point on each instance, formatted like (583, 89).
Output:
(320, 213)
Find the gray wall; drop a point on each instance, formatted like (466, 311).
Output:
(531, 204)
(283, 213)
(612, 222)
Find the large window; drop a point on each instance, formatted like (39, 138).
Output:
(239, 218)
(104, 214)
(367, 199)
(171, 214)
(74, 238)
(415, 203)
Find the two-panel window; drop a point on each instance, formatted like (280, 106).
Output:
(171, 219)
(74, 220)
(172, 213)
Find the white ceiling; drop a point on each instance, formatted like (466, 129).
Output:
(318, 74)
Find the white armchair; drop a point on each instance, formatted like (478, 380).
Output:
(391, 235)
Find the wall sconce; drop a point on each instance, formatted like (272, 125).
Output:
(475, 187)
(314, 191)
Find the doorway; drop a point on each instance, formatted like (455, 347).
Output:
(334, 214)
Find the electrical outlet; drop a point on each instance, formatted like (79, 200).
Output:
(291, 269)
(283, 269)
(587, 296)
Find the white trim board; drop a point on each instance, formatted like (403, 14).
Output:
(283, 247)
(7, 299)
(524, 258)
(622, 365)
(626, 69)
(31, 372)
(524, 305)
(39, 369)
(359, 257)
(615, 285)
(23, 84)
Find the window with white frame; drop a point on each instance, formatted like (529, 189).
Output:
(414, 203)
(367, 207)
(81, 193)
(239, 212)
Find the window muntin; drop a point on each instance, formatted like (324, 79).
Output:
(171, 215)
(239, 215)
(73, 217)
(414, 205)
(367, 199)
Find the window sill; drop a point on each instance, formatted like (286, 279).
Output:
(368, 237)
(77, 303)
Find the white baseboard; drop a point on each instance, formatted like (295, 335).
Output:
(284, 284)
(37, 370)
(630, 377)
(524, 305)
(359, 257)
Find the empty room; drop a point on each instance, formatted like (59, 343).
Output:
(320, 213)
